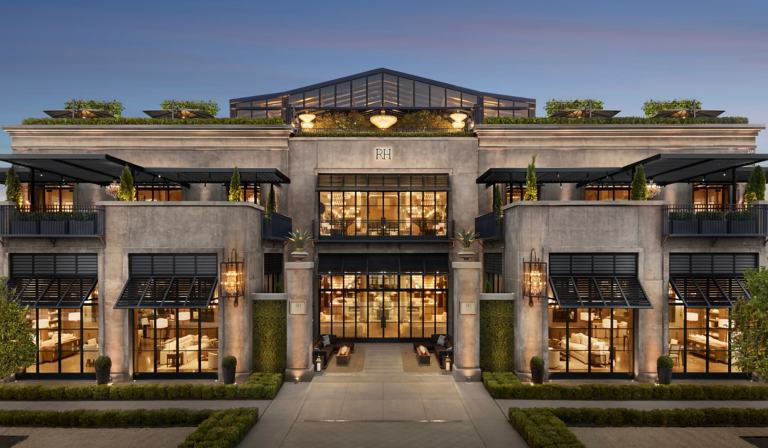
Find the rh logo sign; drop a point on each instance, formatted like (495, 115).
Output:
(383, 153)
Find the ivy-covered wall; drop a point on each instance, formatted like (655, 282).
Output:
(270, 336)
(497, 335)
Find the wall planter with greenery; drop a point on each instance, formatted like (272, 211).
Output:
(270, 335)
(258, 386)
(506, 385)
(215, 429)
(683, 223)
(741, 222)
(228, 369)
(103, 365)
(497, 335)
(614, 120)
(149, 121)
(711, 222)
(373, 133)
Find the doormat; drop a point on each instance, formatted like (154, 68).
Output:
(758, 441)
(9, 441)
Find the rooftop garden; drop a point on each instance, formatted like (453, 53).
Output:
(615, 120)
(148, 121)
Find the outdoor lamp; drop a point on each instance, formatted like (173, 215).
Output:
(306, 121)
(318, 364)
(231, 286)
(448, 363)
(534, 278)
(458, 120)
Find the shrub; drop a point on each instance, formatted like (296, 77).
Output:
(553, 105)
(755, 190)
(681, 216)
(708, 216)
(665, 362)
(531, 187)
(235, 192)
(278, 288)
(103, 363)
(639, 185)
(114, 106)
(209, 106)
(13, 187)
(615, 120)
(537, 362)
(541, 428)
(739, 215)
(487, 289)
(229, 362)
(652, 107)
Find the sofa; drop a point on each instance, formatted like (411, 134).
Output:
(441, 351)
(579, 346)
(325, 353)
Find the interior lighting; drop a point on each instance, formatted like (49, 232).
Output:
(653, 189)
(692, 317)
(383, 121)
(534, 278)
(113, 189)
(232, 277)
(74, 317)
(306, 121)
(458, 120)
(184, 315)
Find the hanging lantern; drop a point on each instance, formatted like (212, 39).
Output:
(448, 363)
(534, 278)
(231, 285)
(318, 364)
(113, 189)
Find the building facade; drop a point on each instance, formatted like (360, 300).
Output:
(146, 282)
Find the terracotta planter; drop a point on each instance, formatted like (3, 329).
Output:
(537, 376)
(665, 375)
(102, 377)
(229, 376)
(466, 256)
(299, 255)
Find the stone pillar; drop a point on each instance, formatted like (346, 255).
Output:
(298, 283)
(466, 329)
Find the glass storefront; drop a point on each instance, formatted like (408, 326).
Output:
(591, 341)
(67, 339)
(176, 342)
(383, 306)
(158, 193)
(710, 194)
(608, 193)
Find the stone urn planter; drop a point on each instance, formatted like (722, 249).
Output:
(299, 255)
(466, 256)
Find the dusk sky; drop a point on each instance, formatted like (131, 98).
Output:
(623, 53)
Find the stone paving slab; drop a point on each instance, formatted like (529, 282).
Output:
(99, 437)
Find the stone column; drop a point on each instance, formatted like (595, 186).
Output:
(466, 330)
(298, 283)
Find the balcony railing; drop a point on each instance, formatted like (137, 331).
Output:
(424, 230)
(714, 220)
(52, 221)
(489, 227)
(276, 226)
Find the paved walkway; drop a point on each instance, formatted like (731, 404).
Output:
(383, 358)
(383, 410)
(641, 405)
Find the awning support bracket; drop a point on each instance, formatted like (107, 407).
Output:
(714, 240)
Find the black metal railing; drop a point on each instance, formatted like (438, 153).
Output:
(52, 220)
(490, 226)
(276, 226)
(382, 230)
(714, 220)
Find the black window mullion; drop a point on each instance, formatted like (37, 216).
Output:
(177, 340)
(589, 345)
(199, 339)
(611, 350)
(155, 352)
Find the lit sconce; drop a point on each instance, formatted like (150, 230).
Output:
(306, 121)
(232, 278)
(184, 315)
(74, 317)
(692, 317)
(534, 278)
(383, 121)
(458, 120)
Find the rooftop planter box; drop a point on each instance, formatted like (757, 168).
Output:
(715, 220)
(615, 120)
(149, 121)
(712, 223)
(78, 220)
(683, 223)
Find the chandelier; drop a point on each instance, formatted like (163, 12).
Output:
(653, 189)
(113, 189)
(458, 120)
(306, 121)
(383, 121)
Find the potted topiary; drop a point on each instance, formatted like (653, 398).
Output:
(466, 238)
(228, 365)
(537, 369)
(300, 237)
(664, 367)
(102, 364)
(278, 288)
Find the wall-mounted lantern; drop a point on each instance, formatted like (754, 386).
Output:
(231, 284)
(534, 278)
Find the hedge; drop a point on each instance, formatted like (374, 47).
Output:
(270, 336)
(497, 335)
(215, 429)
(546, 427)
(258, 386)
(507, 386)
(149, 121)
(379, 134)
(615, 120)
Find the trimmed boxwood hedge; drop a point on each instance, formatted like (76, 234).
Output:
(270, 336)
(258, 386)
(215, 429)
(379, 134)
(146, 121)
(506, 385)
(615, 120)
(546, 427)
(497, 335)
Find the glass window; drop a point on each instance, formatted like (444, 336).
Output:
(390, 91)
(607, 193)
(506, 113)
(244, 114)
(260, 103)
(422, 94)
(296, 100)
(327, 96)
(437, 96)
(490, 102)
(453, 98)
(342, 94)
(274, 113)
(374, 90)
(710, 194)
(359, 93)
(506, 103)
(59, 198)
(275, 102)
(522, 113)
(312, 98)
(158, 193)
(468, 100)
(245, 104)
(490, 113)
(259, 114)
(406, 92)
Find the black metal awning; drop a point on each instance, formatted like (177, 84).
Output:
(688, 113)
(599, 291)
(543, 175)
(79, 113)
(52, 292)
(665, 169)
(167, 292)
(708, 291)
(363, 264)
(179, 113)
(103, 169)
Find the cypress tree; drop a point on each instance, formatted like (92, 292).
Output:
(488, 289)
(639, 185)
(13, 187)
(271, 203)
(531, 193)
(235, 194)
(497, 204)
(755, 190)
(126, 192)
